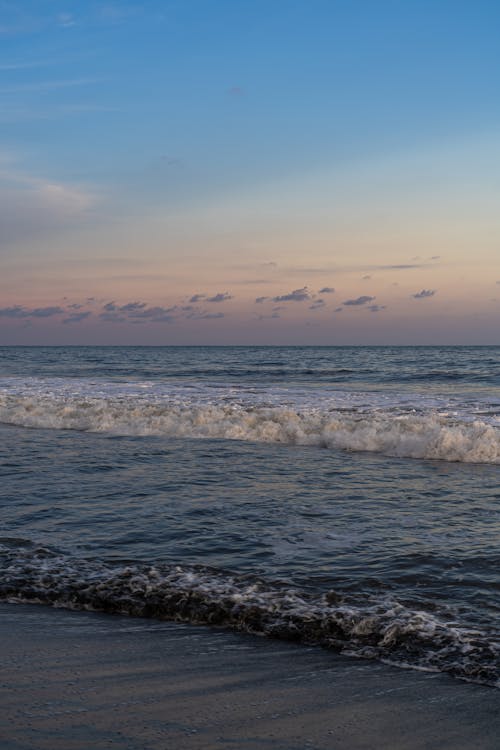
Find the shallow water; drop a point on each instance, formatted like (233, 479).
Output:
(354, 511)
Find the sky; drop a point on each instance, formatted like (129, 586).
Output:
(250, 172)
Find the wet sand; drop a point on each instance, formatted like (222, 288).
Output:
(82, 681)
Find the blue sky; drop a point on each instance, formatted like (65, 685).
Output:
(153, 151)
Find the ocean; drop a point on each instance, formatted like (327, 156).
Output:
(343, 497)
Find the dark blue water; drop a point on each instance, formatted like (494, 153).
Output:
(376, 365)
(347, 497)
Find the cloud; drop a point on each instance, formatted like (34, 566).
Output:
(16, 311)
(434, 257)
(298, 295)
(137, 312)
(41, 86)
(338, 309)
(366, 277)
(317, 304)
(111, 317)
(77, 317)
(34, 206)
(273, 315)
(133, 307)
(327, 290)
(363, 300)
(25, 65)
(46, 312)
(424, 293)
(376, 308)
(400, 267)
(66, 20)
(155, 314)
(19, 311)
(133, 312)
(206, 315)
(220, 297)
(260, 300)
(141, 312)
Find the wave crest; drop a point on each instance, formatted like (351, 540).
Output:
(394, 432)
(381, 628)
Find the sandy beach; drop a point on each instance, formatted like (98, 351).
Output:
(81, 681)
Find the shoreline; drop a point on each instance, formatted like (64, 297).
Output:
(87, 681)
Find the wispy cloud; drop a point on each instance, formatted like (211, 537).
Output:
(25, 65)
(327, 290)
(41, 86)
(34, 205)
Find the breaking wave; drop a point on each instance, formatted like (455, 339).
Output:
(374, 627)
(354, 422)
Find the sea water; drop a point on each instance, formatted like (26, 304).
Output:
(341, 496)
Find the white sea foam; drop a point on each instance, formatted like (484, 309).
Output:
(396, 425)
(365, 625)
